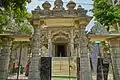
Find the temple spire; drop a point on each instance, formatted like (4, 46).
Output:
(58, 5)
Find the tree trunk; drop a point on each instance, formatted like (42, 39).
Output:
(4, 57)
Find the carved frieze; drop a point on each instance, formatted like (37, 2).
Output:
(58, 10)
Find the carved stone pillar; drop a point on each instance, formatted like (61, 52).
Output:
(34, 72)
(49, 44)
(72, 43)
(5, 57)
(53, 50)
(115, 56)
(78, 50)
(85, 70)
(68, 49)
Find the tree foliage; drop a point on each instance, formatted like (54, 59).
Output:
(106, 13)
(13, 13)
(13, 8)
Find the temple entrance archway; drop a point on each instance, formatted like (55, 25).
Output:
(61, 45)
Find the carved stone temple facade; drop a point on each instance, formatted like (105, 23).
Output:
(58, 33)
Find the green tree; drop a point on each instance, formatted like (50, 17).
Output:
(106, 13)
(13, 13)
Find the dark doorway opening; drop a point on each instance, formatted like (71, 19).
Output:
(61, 51)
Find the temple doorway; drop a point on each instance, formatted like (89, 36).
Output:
(61, 50)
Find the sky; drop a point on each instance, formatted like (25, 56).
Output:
(84, 3)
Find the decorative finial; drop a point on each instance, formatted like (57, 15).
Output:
(79, 6)
(46, 5)
(71, 5)
(58, 5)
(81, 10)
(37, 10)
(38, 7)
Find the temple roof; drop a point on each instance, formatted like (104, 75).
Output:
(99, 29)
(59, 10)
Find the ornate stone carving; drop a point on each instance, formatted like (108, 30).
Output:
(71, 5)
(36, 12)
(55, 34)
(5, 56)
(58, 5)
(46, 5)
(81, 11)
(44, 51)
(84, 57)
(34, 73)
(59, 10)
(60, 34)
(115, 56)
